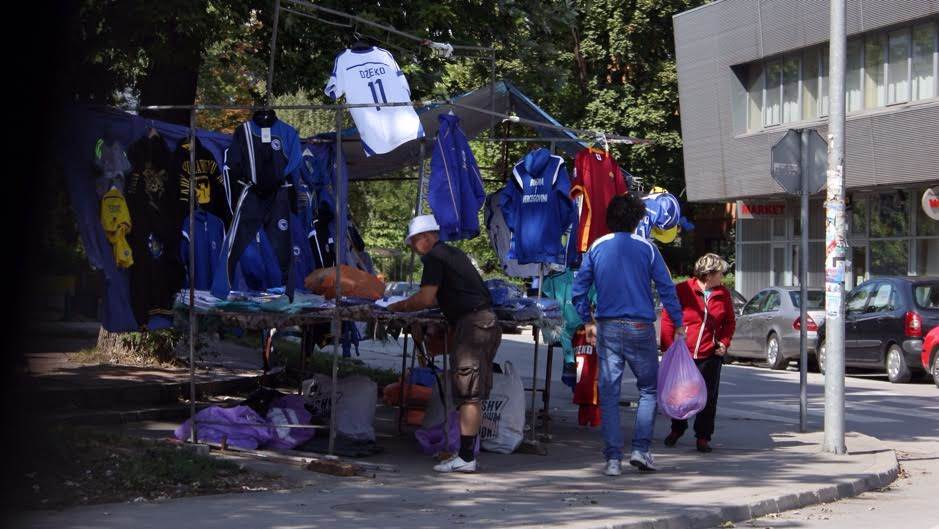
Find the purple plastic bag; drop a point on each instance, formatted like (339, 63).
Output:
(682, 392)
(289, 409)
(240, 426)
(431, 439)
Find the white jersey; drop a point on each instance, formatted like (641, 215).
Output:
(373, 76)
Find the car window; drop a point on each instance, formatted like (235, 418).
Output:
(816, 299)
(772, 302)
(927, 295)
(754, 305)
(883, 299)
(857, 299)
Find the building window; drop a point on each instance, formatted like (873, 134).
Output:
(810, 84)
(791, 72)
(924, 62)
(890, 214)
(772, 107)
(898, 67)
(885, 68)
(852, 77)
(889, 258)
(859, 217)
(875, 54)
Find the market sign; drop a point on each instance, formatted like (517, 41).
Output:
(931, 203)
(760, 210)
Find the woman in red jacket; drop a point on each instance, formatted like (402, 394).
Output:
(708, 313)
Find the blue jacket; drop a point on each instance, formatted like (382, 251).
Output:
(537, 208)
(258, 269)
(456, 189)
(207, 238)
(622, 267)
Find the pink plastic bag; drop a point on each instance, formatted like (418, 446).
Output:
(682, 392)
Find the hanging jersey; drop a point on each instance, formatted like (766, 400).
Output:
(263, 157)
(258, 269)
(207, 238)
(597, 179)
(115, 219)
(501, 238)
(537, 208)
(210, 191)
(157, 273)
(373, 76)
(112, 166)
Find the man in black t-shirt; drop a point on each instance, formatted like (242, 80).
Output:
(451, 281)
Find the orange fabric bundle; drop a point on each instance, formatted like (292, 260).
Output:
(417, 396)
(354, 283)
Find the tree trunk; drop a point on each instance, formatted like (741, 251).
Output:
(112, 344)
(173, 75)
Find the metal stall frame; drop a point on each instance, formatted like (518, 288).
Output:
(578, 135)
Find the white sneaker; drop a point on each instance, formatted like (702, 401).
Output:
(643, 461)
(455, 464)
(613, 467)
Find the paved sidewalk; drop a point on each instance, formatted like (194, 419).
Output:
(759, 468)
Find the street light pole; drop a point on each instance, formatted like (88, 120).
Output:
(837, 257)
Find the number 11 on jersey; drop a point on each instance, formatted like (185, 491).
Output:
(381, 89)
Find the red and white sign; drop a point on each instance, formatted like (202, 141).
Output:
(931, 203)
(760, 210)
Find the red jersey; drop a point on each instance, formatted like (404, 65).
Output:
(597, 178)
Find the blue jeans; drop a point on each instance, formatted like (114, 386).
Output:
(620, 341)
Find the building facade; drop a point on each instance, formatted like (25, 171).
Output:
(749, 70)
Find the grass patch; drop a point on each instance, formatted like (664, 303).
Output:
(66, 467)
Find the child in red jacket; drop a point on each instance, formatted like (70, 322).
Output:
(708, 313)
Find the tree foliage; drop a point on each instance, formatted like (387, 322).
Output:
(605, 65)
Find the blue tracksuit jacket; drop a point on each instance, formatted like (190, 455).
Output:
(456, 190)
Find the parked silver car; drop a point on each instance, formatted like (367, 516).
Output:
(768, 327)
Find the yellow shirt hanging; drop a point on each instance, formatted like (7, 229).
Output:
(115, 218)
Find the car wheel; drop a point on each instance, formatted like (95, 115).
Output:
(774, 355)
(935, 368)
(897, 370)
(820, 356)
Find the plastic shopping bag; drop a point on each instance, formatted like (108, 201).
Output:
(682, 392)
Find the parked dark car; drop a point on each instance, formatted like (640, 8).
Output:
(886, 320)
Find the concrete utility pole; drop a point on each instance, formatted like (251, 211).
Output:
(837, 256)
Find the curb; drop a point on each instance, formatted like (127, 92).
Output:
(884, 472)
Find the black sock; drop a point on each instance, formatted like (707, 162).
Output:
(467, 444)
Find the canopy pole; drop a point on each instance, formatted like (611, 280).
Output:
(270, 68)
(340, 253)
(192, 275)
(419, 205)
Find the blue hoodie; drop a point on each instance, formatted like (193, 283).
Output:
(537, 208)
(456, 189)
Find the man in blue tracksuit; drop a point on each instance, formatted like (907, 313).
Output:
(456, 190)
(622, 266)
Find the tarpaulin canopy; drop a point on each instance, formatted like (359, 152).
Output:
(508, 100)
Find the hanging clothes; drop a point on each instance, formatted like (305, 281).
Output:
(586, 393)
(371, 75)
(115, 218)
(258, 268)
(211, 188)
(157, 273)
(264, 154)
(558, 287)
(455, 191)
(537, 208)
(207, 237)
(500, 237)
(597, 179)
(112, 166)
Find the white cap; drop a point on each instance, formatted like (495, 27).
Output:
(421, 224)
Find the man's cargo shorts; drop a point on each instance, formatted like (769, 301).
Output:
(475, 342)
